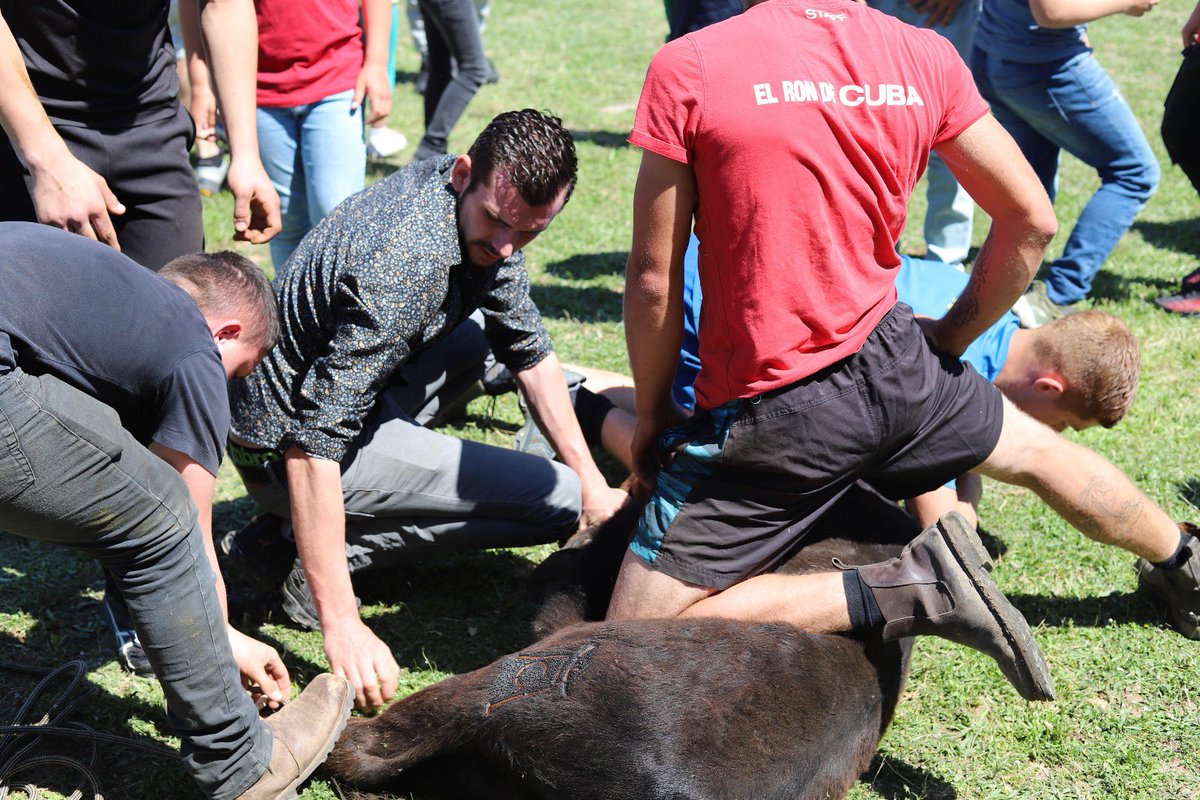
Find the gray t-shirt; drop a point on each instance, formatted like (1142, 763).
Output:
(82, 312)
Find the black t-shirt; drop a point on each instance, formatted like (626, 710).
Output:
(97, 63)
(82, 312)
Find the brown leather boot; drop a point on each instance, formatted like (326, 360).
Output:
(1178, 589)
(305, 731)
(939, 585)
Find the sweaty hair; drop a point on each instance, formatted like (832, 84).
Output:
(1097, 355)
(227, 284)
(533, 149)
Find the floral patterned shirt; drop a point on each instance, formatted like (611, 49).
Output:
(380, 279)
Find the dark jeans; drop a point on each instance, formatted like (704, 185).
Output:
(452, 28)
(71, 475)
(1181, 117)
(146, 167)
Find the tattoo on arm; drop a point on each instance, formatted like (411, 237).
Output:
(1098, 502)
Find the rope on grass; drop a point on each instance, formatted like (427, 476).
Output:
(18, 740)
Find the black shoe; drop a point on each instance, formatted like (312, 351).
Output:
(258, 556)
(130, 654)
(492, 75)
(1177, 589)
(497, 380)
(298, 601)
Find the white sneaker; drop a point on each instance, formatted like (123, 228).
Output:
(385, 142)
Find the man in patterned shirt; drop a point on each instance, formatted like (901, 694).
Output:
(379, 330)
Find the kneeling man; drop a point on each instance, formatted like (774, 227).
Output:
(378, 333)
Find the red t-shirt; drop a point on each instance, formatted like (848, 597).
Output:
(307, 50)
(807, 124)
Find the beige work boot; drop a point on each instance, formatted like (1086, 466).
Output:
(940, 586)
(305, 731)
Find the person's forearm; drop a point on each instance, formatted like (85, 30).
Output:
(1069, 13)
(546, 393)
(193, 45)
(377, 22)
(33, 138)
(653, 336)
(230, 32)
(989, 165)
(319, 524)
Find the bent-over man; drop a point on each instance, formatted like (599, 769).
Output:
(112, 415)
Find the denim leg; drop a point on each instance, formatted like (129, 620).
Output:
(1103, 132)
(71, 475)
(452, 31)
(1007, 98)
(950, 211)
(279, 148)
(1073, 105)
(333, 153)
(949, 215)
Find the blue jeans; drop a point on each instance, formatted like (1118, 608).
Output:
(1073, 105)
(950, 210)
(316, 158)
(72, 476)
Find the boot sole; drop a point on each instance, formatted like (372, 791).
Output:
(968, 550)
(1177, 619)
(289, 792)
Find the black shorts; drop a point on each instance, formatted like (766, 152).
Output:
(750, 478)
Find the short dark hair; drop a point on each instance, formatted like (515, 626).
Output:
(533, 149)
(226, 283)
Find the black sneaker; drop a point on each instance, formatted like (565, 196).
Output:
(130, 654)
(298, 601)
(1178, 590)
(259, 555)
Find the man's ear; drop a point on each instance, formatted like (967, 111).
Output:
(227, 330)
(1050, 383)
(460, 173)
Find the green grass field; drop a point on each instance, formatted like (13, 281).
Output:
(1127, 721)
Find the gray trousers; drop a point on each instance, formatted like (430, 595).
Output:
(407, 486)
(71, 475)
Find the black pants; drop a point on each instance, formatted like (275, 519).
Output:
(146, 167)
(1181, 117)
(452, 32)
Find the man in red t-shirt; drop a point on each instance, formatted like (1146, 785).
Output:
(794, 135)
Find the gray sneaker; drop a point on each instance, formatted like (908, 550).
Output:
(1177, 589)
(1035, 308)
(530, 439)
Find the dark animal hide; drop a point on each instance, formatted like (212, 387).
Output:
(655, 709)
